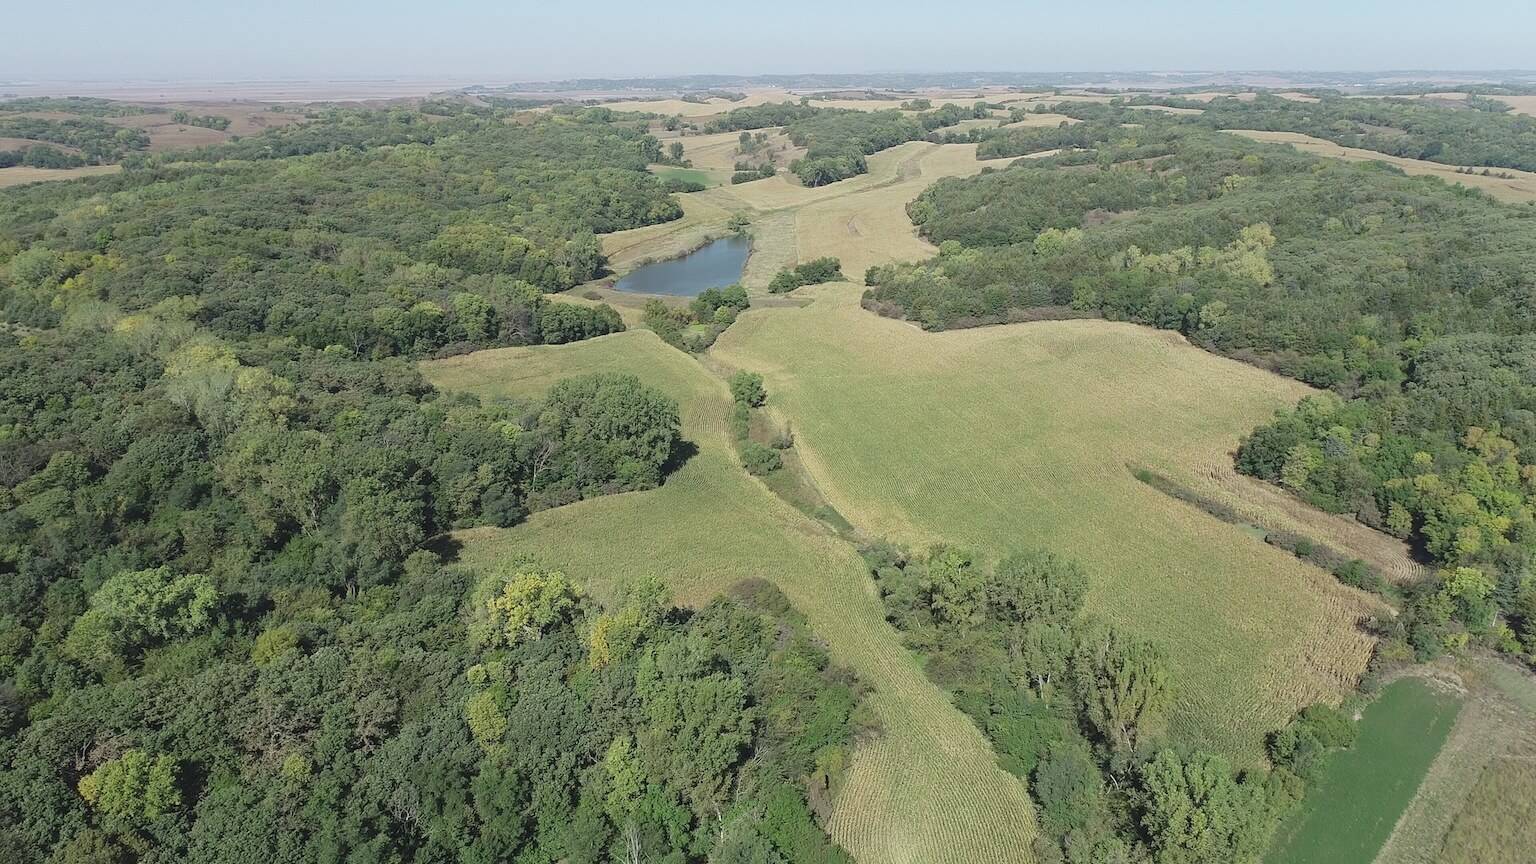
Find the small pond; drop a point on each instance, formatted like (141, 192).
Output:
(714, 265)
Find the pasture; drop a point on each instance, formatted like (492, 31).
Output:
(1517, 188)
(1020, 436)
(927, 789)
(1351, 809)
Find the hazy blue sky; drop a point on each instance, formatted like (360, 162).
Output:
(526, 40)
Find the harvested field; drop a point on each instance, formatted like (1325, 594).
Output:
(25, 143)
(1521, 104)
(18, 175)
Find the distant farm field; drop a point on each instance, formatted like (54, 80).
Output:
(928, 789)
(1021, 436)
(1521, 104)
(18, 175)
(1352, 808)
(1516, 188)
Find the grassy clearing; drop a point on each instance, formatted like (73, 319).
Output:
(928, 789)
(17, 175)
(1496, 826)
(1353, 807)
(1015, 436)
(686, 175)
(1518, 188)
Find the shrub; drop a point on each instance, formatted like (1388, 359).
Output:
(810, 273)
(747, 388)
(760, 460)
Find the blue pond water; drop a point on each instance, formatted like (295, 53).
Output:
(715, 265)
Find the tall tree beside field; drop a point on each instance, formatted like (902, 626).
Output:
(1124, 685)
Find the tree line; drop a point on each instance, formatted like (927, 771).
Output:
(1078, 708)
(1485, 133)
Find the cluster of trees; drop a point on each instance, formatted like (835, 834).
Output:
(695, 328)
(1444, 462)
(1077, 707)
(40, 156)
(1485, 134)
(207, 121)
(746, 172)
(702, 96)
(748, 394)
(98, 141)
(85, 106)
(837, 139)
(1409, 298)
(812, 272)
(1100, 125)
(762, 116)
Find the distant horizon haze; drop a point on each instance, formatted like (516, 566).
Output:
(469, 40)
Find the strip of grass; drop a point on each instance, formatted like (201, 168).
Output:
(1353, 807)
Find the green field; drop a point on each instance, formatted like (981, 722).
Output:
(928, 789)
(687, 175)
(1006, 437)
(1351, 810)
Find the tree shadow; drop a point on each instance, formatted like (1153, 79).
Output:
(682, 451)
(445, 546)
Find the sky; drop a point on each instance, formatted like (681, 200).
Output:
(515, 40)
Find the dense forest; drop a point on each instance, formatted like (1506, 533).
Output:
(98, 141)
(232, 628)
(1484, 133)
(1409, 299)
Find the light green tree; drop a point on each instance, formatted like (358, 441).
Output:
(133, 786)
(1124, 687)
